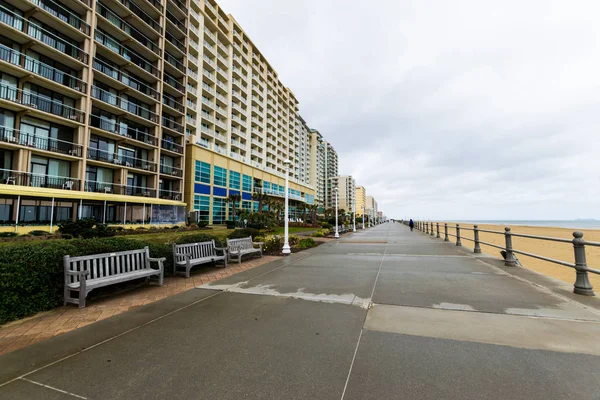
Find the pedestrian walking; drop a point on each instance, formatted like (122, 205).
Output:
(411, 223)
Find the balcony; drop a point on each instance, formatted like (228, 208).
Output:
(66, 16)
(10, 177)
(40, 69)
(181, 5)
(151, 22)
(16, 137)
(170, 195)
(170, 102)
(175, 126)
(34, 31)
(204, 143)
(125, 78)
(210, 34)
(125, 105)
(176, 42)
(120, 160)
(220, 150)
(175, 62)
(41, 103)
(180, 25)
(129, 55)
(169, 170)
(112, 126)
(172, 146)
(173, 82)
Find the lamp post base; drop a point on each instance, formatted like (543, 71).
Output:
(337, 235)
(286, 249)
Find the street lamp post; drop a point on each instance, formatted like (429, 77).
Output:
(337, 234)
(286, 245)
(363, 216)
(354, 216)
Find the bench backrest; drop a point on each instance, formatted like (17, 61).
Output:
(107, 264)
(240, 244)
(195, 250)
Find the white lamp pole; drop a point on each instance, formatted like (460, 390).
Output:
(363, 216)
(286, 245)
(337, 234)
(354, 215)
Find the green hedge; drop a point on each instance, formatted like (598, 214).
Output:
(32, 274)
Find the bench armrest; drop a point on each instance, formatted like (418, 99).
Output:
(159, 260)
(80, 273)
(223, 249)
(260, 244)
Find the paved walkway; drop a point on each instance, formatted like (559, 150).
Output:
(19, 334)
(381, 314)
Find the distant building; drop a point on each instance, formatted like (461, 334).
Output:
(361, 199)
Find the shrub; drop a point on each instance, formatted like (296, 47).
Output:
(306, 243)
(198, 238)
(202, 224)
(244, 233)
(141, 228)
(272, 244)
(85, 228)
(326, 225)
(39, 233)
(293, 240)
(318, 234)
(230, 224)
(8, 234)
(33, 275)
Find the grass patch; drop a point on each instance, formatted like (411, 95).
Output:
(292, 230)
(219, 232)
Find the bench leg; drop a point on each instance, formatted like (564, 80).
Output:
(82, 296)
(240, 258)
(161, 278)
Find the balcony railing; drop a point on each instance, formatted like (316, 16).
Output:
(126, 53)
(120, 159)
(39, 102)
(129, 106)
(117, 21)
(14, 20)
(9, 177)
(172, 146)
(181, 6)
(44, 70)
(174, 82)
(173, 104)
(204, 143)
(175, 42)
(167, 123)
(112, 126)
(66, 15)
(125, 78)
(169, 170)
(174, 62)
(142, 14)
(170, 195)
(15, 136)
(176, 21)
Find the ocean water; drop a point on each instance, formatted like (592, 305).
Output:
(571, 224)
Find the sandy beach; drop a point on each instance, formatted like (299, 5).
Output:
(559, 251)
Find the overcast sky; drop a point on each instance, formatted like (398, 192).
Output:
(463, 109)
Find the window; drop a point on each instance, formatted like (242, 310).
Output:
(219, 209)
(234, 180)
(220, 178)
(202, 173)
(247, 183)
(247, 205)
(202, 205)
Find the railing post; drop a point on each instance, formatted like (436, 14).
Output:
(509, 261)
(446, 238)
(477, 248)
(432, 233)
(458, 242)
(427, 228)
(582, 282)
(438, 230)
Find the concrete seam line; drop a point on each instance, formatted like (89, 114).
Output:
(53, 388)
(352, 364)
(110, 339)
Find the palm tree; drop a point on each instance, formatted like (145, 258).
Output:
(278, 208)
(234, 199)
(261, 198)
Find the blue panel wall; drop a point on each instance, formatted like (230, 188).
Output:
(201, 189)
(217, 191)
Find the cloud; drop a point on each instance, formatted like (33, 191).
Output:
(461, 110)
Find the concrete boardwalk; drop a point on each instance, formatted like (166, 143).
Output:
(381, 314)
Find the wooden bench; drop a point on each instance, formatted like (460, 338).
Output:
(185, 256)
(241, 247)
(86, 273)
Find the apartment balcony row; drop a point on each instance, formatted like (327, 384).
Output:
(181, 26)
(143, 15)
(129, 106)
(29, 140)
(173, 125)
(129, 56)
(41, 69)
(111, 125)
(177, 84)
(36, 101)
(125, 78)
(121, 160)
(114, 188)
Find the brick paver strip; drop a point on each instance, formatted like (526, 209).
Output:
(18, 334)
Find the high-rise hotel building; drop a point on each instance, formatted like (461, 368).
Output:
(128, 110)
